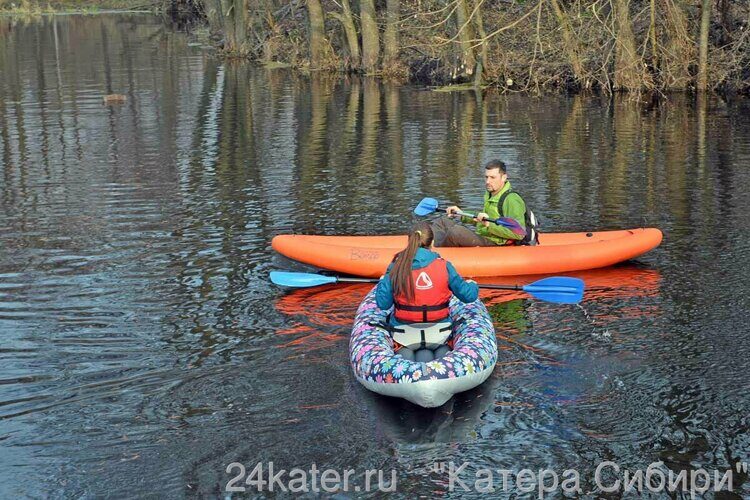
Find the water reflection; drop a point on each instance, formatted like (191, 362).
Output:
(143, 345)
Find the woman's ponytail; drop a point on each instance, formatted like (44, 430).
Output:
(401, 278)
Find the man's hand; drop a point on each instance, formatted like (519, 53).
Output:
(483, 218)
(452, 211)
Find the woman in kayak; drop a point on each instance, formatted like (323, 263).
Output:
(419, 285)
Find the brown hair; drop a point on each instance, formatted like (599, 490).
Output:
(420, 236)
(498, 164)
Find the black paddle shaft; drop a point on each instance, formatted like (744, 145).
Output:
(374, 280)
(501, 287)
(357, 280)
(465, 215)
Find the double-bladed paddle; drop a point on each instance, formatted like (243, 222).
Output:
(430, 205)
(557, 289)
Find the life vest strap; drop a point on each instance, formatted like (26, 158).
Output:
(423, 309)
(407, 307)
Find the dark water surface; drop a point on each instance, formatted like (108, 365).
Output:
(142, 349)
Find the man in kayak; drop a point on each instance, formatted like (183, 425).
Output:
(419, 285)
(499, 201)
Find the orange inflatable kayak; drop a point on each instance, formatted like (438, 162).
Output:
(369, 256)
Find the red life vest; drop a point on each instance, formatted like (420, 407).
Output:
(432, 295)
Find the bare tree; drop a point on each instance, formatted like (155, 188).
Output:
(571, 44)
(629, 71)
(652, 36)
(465, 36)
(390, 36)
(350, 30)
(679, 50)
(225, 8)
(703, 45)
(232, 18)
(370, 36)
(241, 24)
(630, 45)
(317, 33)
(482, 60)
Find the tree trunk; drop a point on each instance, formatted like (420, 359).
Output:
(390, 37)
(703, 46)
(465, 37)
(680, 49)
(350, 29)
(233, 16)
(570, 42)
(241, 21)
(724, 9)
(629, 70)
(317, 33)
(370, 38)
(227, 25)
(213, 14)
(652, 37)
(482, 61)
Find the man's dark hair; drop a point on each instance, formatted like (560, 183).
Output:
(499, 164)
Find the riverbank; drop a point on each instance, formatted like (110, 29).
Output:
(615, 46)
(513, 49)
(26, 7)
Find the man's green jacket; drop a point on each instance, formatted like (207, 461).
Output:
(513, 207)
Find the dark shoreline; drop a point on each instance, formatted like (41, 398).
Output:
(411, 69)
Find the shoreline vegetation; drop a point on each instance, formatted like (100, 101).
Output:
(643, 47)
(36, 8)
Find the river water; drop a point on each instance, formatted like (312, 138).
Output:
(143, 349)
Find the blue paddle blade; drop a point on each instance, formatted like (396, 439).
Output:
(300, 280)
(511, 224)
(559, 289)
(426, 206)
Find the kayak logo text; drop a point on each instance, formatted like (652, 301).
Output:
(608, 478)
(265, 477)
(363, 254)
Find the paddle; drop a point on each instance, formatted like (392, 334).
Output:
(430, 205)
(558, 289)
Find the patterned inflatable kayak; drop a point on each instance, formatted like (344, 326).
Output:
(431, 384)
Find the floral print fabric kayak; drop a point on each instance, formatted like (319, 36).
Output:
(381, 370)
